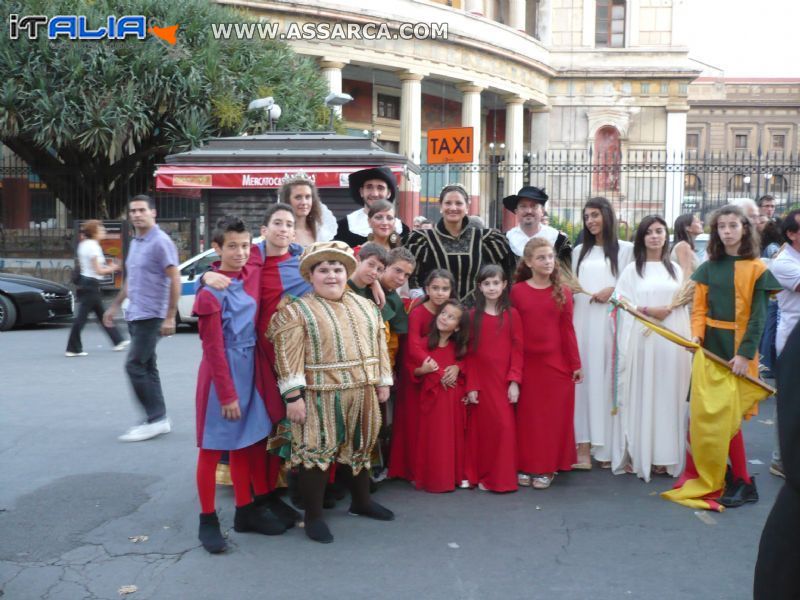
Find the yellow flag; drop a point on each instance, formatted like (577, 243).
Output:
(719, 401)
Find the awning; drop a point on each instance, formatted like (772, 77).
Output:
(195, 177)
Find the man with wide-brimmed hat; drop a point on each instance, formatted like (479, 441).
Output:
(333, 371)
(528, 205)
(366, 187)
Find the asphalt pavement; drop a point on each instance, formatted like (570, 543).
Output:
(85, 516)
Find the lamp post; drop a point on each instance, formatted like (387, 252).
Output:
(269, 106)
(333, 100)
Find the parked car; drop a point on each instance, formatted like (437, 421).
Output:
(190, 270)
(26, 300)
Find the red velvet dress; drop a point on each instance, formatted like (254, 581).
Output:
(405, 421)
(545, 428)
(491, 424)
(440, 453)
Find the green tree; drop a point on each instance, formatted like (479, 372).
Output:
(89, 116)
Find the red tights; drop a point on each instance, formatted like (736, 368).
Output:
(738, 458)
(248, 466)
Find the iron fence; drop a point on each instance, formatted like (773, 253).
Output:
(638, 183)
(36, 221)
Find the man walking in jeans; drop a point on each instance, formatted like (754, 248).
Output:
(152, 286)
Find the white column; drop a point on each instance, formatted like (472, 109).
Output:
(540, 130)
(516, 18)
(676, 150)
(410, 139)
(474, 7)
(411, 115)
(332, 71)
(589, 7)
(514, 152)
(471, 117)
(543, 23)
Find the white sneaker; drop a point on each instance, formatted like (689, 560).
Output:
(71, 354)
(146, 431)
(122, 345)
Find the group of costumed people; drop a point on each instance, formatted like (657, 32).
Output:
(507, 358)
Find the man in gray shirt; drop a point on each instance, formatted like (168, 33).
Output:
(152, 285)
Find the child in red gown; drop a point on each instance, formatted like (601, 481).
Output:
(439, 287)
(439, 465)
(552, 367)
(494, 372)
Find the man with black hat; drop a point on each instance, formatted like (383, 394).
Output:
(528, 205)
(366, 187)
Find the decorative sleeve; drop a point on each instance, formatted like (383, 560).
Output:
(699, 310)
(517, 348)
(419, 245)
(328, 227)
(209, 324)
(384, 363)
(498, 251)
(568, 340)
(287, 331)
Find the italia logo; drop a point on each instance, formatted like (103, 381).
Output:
(76, 27)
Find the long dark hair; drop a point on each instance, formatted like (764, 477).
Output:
(460, 338)
(503, 302)
(610, 240)
(750, 246)
(640, 249)
(439, 274)
(679, 233)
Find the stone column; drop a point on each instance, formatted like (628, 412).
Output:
(471, 117)
(332, 71)
(410, 138)
(540, 131)
(514, 153)
(543, 26)
(516, 17)
(474, 7)
(676, 150)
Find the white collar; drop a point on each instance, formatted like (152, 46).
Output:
(358, 223)
(518, 238)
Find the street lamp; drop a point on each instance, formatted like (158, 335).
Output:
(335, 99)
(269, 106)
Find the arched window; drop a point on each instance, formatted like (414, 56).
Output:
(609, 24)
(778, 186)
(739, 185)
(692, 185)
(607, 158)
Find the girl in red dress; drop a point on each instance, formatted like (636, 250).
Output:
(439, 465)
(552, 367)
(439, 287)
(494, 372)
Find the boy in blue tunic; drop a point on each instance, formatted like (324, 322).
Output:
(230, 412)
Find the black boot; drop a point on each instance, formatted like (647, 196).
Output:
(362, 504)
(739, 493)
(252, 519)
(318, 531)
(285, 513)
(210, 534)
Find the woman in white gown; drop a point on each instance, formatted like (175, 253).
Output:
(601, 259)
(649, 430)
(314, 222)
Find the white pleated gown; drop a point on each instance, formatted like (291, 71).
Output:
(650, 426)
(593, 330)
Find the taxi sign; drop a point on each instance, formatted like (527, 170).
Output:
(452, 145)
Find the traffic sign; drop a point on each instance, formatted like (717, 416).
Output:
(452, 145)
